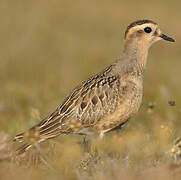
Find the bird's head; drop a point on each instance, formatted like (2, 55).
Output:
(144, 33)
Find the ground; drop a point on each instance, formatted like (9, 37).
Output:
(47, 48)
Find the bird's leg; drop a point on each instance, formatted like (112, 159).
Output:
(89, 146)
(94, 148)
(85, 144)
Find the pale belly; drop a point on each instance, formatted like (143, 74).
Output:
(127, 107)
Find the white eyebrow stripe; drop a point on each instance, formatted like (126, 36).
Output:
(138, 27)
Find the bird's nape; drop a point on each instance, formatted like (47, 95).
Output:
(106, 100)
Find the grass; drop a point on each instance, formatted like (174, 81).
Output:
(47, 48)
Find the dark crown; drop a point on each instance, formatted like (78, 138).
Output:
(139, 22)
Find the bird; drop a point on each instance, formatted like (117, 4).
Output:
(106, 100)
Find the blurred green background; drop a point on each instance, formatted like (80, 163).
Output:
(49, 47)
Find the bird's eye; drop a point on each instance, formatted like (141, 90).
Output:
(147, 29)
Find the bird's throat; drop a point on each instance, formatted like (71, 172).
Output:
(137, 51)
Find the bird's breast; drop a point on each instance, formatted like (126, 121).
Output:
(129, 101)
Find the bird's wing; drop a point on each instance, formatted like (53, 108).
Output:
(87, 104)
(84, 107)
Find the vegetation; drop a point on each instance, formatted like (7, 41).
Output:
(47, 48)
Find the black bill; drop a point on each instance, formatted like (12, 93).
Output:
(163, 36)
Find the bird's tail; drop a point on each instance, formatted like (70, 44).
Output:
(44, 130)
